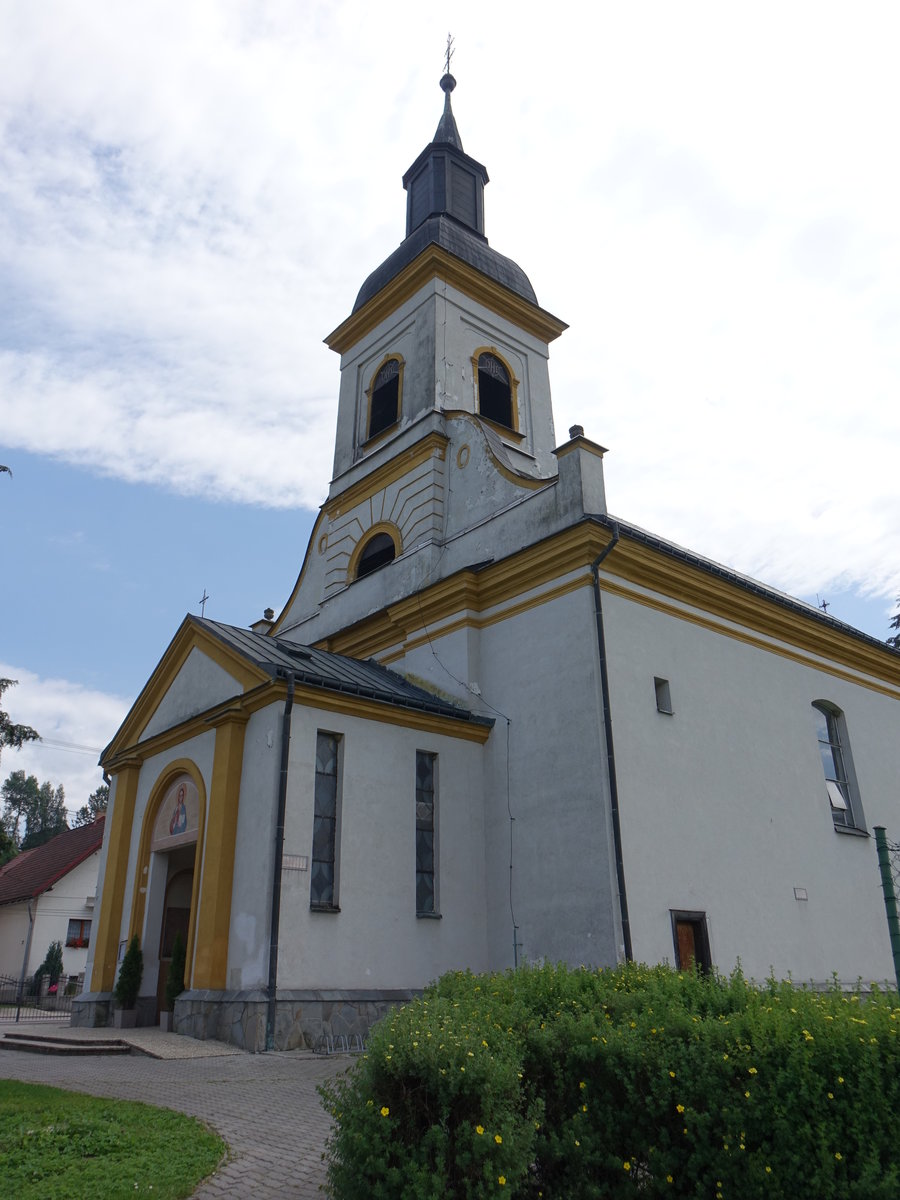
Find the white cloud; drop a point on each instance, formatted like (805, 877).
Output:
(75, 724)
(190, 197)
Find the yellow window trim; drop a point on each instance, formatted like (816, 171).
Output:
(370, 438)
(373, 531)
(507, 430)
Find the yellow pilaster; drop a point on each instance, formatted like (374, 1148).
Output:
(214, 916)
(106, 939)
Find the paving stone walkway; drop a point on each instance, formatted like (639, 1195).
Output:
(265, 1106)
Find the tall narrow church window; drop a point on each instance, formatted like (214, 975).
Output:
(378, 551)
(425, 844)
(495, 395)
(384, 398)
(323, 890)
(835, 755)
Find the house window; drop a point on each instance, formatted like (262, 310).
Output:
(663, 696)
(384, 397)
(78, 935)
(378, 551)
(495, 393)
(426, 895)
(323, 881)
(691, 939)
(835, 754)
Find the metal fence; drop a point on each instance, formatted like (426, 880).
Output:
(889, 865)
(19, 1001)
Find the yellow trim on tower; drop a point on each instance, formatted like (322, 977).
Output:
(433, 445)
(506, 430)
(436, 263)
(112, 897)
(214, 914)
(370, 438)
(387, 527)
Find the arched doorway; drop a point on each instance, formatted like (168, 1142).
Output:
(173, 849)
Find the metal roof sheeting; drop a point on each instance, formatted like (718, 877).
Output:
(335, 672)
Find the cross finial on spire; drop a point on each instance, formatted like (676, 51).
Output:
(448, 54)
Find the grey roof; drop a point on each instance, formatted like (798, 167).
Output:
(457, 240)
(335, 672)
(744, 582)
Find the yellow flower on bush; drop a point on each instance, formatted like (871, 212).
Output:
(768, 1170)
(498, 1139)
(669, 1179)
(838, 1155)
(752, 1071)
(501, 1179)
(385, 1110)
(671, 1074)
(479, 1129)
(679, 1108)
(582, 1085)
(626, 1165)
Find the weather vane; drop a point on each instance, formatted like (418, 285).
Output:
(449, 53)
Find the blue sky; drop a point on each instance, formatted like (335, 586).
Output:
(192, 193)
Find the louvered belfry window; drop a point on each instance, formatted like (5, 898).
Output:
(322, 882)
(425, 859)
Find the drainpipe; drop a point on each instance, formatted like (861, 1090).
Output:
(20, 991)
(279, 856)
(610, 750)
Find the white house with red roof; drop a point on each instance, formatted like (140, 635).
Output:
(47, 895)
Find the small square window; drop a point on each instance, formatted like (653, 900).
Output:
(663, 696)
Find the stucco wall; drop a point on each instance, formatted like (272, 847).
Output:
(724, 808)
(376, 940)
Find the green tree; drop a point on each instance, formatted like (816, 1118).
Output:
(95, 807)
(11, 734)
(130, 974)
(894, 640)
(40, 806)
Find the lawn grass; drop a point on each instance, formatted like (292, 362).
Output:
(58, 1145)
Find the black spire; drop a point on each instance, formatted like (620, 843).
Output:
(444, 181)
(446, 131)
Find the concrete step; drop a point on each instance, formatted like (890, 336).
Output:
(40, 1044)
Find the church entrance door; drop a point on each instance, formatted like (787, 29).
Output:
(176, 919)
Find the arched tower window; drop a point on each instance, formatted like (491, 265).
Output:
(384, 397)
(378, 551)
(495, 390)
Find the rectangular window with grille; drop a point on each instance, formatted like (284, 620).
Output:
(426, 891)
(323, 880)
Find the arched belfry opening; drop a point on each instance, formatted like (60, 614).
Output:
(495, 391)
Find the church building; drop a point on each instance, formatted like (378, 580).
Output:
(493, 724)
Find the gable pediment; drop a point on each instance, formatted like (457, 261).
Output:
(198, 672)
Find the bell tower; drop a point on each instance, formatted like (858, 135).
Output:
(444, 359)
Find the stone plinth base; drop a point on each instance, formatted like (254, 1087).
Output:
(302, 1016)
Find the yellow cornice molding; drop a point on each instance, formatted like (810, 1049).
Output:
(436, 263)
(718, 603)
(391, 714)
(431, 444)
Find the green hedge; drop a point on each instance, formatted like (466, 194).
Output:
(639, 1081)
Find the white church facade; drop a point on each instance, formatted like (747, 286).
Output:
(493, 724)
